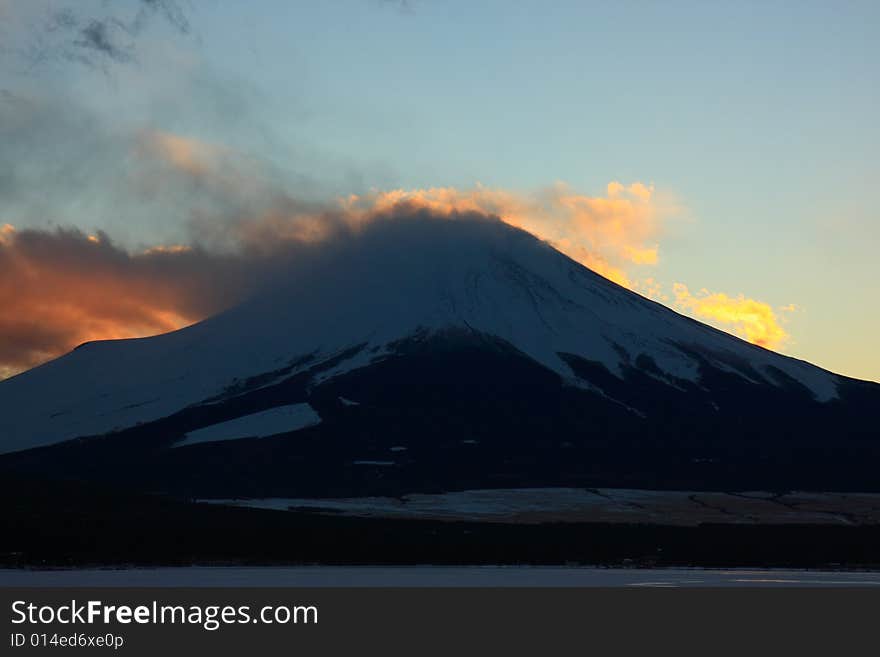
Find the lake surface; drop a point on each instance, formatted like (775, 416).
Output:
(425, 576)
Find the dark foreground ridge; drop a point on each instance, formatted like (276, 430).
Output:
(64, 524)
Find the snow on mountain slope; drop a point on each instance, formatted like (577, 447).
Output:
(396, 279)
(538, 505)
(280, 419)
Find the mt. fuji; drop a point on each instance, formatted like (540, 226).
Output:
(427, 354)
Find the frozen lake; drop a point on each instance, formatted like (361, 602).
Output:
(477, 576)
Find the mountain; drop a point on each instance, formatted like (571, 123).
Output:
(433, 355)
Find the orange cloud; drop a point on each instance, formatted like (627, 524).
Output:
(172, 248)
(609, 234)
(189, 155)
(60, 289)
(750, 319)
(226, 173)
(651, 288)
(6, 233)
(605, 234)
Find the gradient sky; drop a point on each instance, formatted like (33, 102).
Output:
(755, 122)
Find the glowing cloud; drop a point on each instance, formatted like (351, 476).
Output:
(6, 234)
(750, 319)
(605, 234)
(608, 234)
(60, 289)
(186, 154)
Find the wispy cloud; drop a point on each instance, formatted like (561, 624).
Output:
(90, 33)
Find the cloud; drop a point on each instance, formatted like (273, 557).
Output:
(606, 233)
(651, 288)
(753, 320)
(170, 10)
(61, 163)
(188, 155)
(61, 288)
(102, 37)
(86, 32)
(201, 168)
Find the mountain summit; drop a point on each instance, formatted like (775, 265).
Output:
(434, 354)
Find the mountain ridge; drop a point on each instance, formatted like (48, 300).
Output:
(502, 286)
(470, 355)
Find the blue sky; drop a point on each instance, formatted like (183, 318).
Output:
(757, 118)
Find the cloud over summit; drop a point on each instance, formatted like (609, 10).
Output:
(224, 220)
